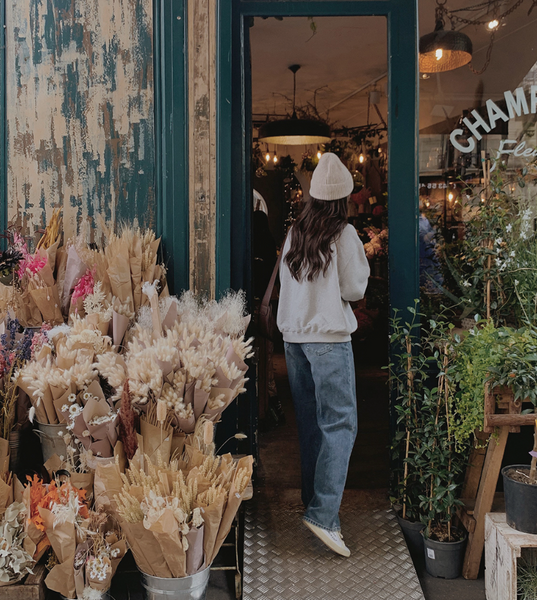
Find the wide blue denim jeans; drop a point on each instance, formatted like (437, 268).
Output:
(323, 387)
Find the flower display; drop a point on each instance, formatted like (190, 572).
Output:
(15, 561)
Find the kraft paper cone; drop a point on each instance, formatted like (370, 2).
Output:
(212, 515)
(232, 506)
(49, 407)
(145, 549)
(95, 584)
(101, 449)
(40, 413)
(6, 496)
(52, 253)
(74, 270)
(136, 276)
(43, 353)
(232, 358)
(166, 532)
(202, 481)
(48, 302)
(80, 580)
(171, 316)
(61, 579)
(18, 489)
(120, 324)
(61, 263)
(122, 547)
(149, 273)
(119, 274)
(107, 485)
(194, 555)
(61, 537)
(84, 481)
(4, 457)
(187, 425)
(223, 381)
(200, 401)
(156, 441)
(53, 464)
(31, 314)
(178, 444)
(45, 274)
(95, 389)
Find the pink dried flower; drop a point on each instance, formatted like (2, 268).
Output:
(85, 286)
(33, 263)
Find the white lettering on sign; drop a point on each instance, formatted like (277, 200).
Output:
(515, 148)
(516, 104)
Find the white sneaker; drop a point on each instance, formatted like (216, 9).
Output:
(332, 539)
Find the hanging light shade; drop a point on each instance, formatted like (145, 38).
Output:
(444, 50)
(294, 131)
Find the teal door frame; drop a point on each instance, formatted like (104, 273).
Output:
(233, 134)
(233, 195)
(3, 120)
(171, 137)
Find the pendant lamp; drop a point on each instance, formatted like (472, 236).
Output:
(444, 50)
(294, 131)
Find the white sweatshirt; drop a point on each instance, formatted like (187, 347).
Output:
(319, 310)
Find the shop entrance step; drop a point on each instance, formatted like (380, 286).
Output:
(284, 561)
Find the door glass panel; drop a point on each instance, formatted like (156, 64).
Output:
(340, 82)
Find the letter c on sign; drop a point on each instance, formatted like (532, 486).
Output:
(453, 138)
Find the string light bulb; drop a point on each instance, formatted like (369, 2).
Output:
(361, 158)
(450, 196)
(267, 156)
(319, 154)
(491, 25)
(275, 159)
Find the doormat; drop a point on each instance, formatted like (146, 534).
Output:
(284, 561)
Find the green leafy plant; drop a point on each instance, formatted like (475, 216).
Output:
(421, 375)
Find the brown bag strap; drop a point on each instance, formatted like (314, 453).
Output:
(268, 293)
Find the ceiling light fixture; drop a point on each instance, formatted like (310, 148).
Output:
(443, 50)
(295, 131)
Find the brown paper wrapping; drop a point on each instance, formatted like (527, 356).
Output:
(178, 444)
(194, 555)
(166, 532)
(156, 440)
(107, 485)
(4, 457)
(212, 515)
(30, 315)
(232, 506)
(200, 401)
(6, 496)
(119, 274)
(84, 481)
(136, 276)
(120, 324)
(48, 403)
(48, 302)
(95, 584)
(74, 270)
(145, 549)
(171, 316)
(63, 541)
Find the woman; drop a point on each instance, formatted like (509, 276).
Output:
(323, 268)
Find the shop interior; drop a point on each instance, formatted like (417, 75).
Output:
(301, 66)
(333, 70)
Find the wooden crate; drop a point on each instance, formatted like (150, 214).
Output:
(503, 546)
(31, 588)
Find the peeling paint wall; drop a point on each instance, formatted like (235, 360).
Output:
(79, 98)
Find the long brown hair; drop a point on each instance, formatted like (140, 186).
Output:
(318, 225)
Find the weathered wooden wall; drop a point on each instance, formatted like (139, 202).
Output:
(79, 97)
(202, 143)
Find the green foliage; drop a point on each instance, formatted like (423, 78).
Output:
(476, 354)
(421, 375)
(527, 577)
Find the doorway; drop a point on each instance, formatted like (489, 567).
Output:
(329, 71)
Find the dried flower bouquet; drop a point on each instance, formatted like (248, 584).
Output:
(176, 514)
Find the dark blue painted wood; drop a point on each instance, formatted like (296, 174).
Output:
(171, 133)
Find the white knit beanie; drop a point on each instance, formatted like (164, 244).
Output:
(331, 179)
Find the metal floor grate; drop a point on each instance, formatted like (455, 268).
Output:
(284, 561)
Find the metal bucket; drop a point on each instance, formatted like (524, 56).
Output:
(192, 587)
(51, 442)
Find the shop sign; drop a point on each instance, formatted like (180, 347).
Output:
(516, 105)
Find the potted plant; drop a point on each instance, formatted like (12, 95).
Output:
(407, 375)
(424, 484)
(440, 468)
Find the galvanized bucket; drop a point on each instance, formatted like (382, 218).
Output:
(51, 442)
(192, 587)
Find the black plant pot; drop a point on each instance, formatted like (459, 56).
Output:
(412, 532)
(444, 559)
(520, 502)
